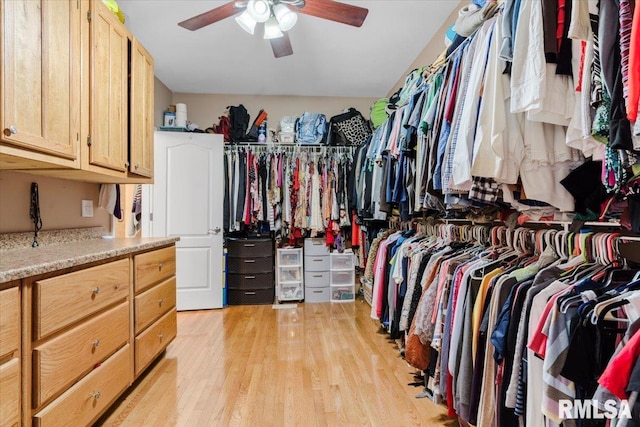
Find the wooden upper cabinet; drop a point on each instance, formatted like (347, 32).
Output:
(142, 109)
(109, 110)
(40, 82)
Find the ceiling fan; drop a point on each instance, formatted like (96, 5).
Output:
(278, 17)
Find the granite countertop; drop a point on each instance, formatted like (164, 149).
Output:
(21, 262)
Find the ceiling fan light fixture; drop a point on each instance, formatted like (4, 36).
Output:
(260, 10)
(272, 29)
(246, 22)
(285, 16)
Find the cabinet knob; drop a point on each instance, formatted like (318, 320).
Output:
(126, 164)
(160, 301)
(96, 395)
(160, 336)
(160, 265)
(95, 290)
(137, 166)
(96, 343)
(11, 130)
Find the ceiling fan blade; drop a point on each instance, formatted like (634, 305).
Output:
(335, 11)
(281, 46)
(207, 18)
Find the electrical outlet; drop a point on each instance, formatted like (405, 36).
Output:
(87, 208)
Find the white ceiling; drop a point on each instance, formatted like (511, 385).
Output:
(329, 59)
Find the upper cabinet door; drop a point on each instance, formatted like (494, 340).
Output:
(142, 110)
(40, 81)
(109, 112)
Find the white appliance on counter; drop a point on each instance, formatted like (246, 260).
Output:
(186, 200)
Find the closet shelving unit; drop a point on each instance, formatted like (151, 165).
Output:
(316, 270)
(289, 274)
(342, 277)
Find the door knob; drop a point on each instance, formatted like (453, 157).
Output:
(215, 230)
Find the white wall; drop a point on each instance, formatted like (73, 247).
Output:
(205, 109)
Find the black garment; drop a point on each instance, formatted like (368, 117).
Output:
(225, 212)
(508, 418)
(394, 329)
(550, 27)
(242, 185)
(417, 292)
(263, 172)
(565, 51)
(585, 185)
(385, 205)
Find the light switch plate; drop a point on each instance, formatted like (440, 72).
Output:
(87, 208)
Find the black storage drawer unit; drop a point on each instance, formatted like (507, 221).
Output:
(248, 297)
(250, 265)
(250, 247)
(250, 281)
(250, 273)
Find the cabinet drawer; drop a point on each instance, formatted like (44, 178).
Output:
(250, 265)
(10, 393)
(317, 295)
(88, 398)
(250, 281)
(342, 293)
(153, 303)
(250, 248)
(289, 274)
(315, 247)
(342, 277)
(291, 292)
(9, 321)
(291, 257)
(316, 263)
(62, 360)
(248, 297)
(152, 267)
(156, 338)
(62, 300)
(316, 279)
(341, 261)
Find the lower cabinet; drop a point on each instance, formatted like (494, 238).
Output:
(79, 355)
(87, 399)
(10, 355)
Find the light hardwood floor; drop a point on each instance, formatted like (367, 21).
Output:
(315, 365)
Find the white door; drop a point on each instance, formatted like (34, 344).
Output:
(186, 201)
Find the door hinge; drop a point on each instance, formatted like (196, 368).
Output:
(89, 141)
(89, 16)
(77, 137)
(151, 216)
(77, 4)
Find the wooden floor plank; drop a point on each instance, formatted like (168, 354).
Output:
(316, 364)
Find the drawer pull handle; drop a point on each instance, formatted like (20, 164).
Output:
(317, 292)
(249, 293)
(160, 266)
(160, 301)
(249, 261)
(317, 275)
(95, 290)
(317, 260)
(249, 245)
(96, 395)
(96, 343)
(249, 277)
